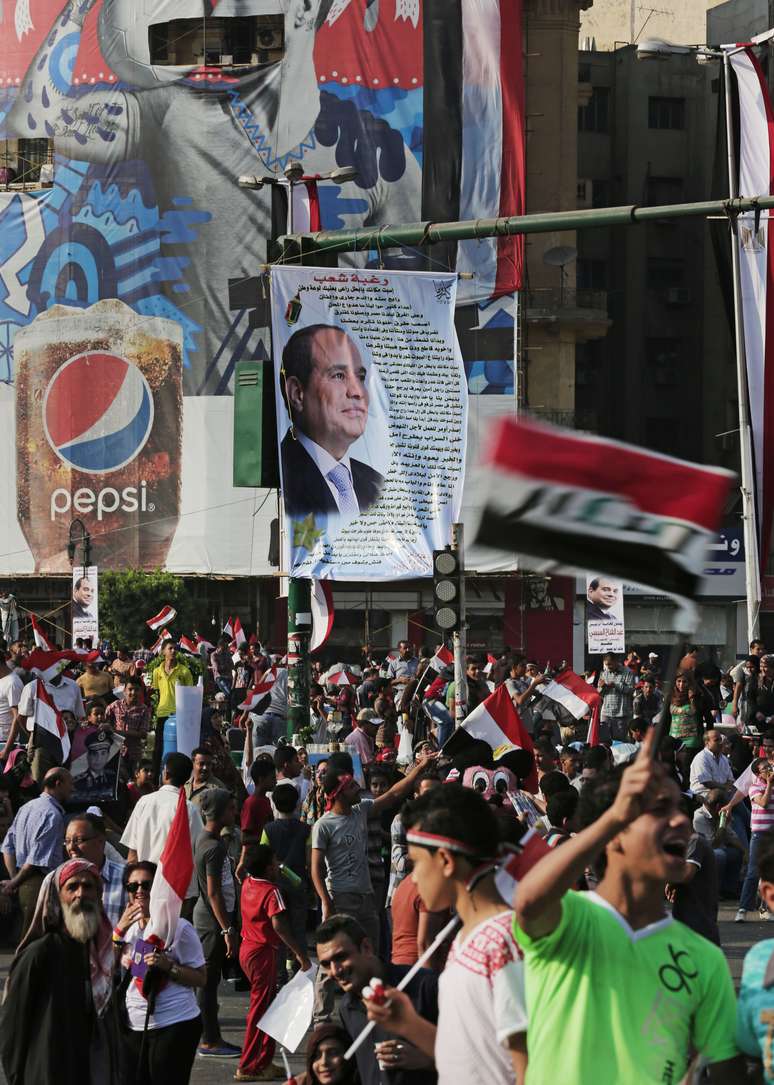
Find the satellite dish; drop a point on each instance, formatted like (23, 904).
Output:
(560, 256)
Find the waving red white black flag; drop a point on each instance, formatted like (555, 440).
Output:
(573, 502)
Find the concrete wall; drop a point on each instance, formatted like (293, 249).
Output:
(627, 21)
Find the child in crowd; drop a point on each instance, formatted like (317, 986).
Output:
(288, 837)
(264, 927)
(761, 824)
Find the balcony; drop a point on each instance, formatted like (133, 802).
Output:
(570, 307)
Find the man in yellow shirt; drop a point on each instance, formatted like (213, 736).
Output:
(165, 678)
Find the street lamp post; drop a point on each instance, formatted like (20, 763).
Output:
(299, 588)
(84, 539)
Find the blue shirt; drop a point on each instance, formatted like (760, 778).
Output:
(755, 1008)
(114, 895)
(36, 837)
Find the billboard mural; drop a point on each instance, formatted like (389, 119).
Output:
(147, 246)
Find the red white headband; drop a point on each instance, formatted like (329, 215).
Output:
(432, 840)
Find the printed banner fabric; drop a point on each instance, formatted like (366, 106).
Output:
(372, 420)
(604, 615)
(85, 605)
(756, 267)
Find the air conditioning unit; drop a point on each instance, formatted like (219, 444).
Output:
(585, 192)
(679, 295)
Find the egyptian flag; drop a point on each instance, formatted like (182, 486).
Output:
(228, 629)
(41, 640)
(49, 720)
(173, 876)
(441, 659)
(572, 692)
(496, 722)
(754, 236)
(202, 642)
(156, 646)
(48, 664)
(166, 614)
(576, 503)
(188, 646)
(518, 860)
(322, 613)
(255, 695)
(239, 633)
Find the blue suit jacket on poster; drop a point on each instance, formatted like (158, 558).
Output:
(305, 488)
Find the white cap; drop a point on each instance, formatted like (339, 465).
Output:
(652, 655)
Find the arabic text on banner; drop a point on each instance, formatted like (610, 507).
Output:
(368, 366)
(85, 604)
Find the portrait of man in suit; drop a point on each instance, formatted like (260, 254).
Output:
(602, 600)
(323, 382)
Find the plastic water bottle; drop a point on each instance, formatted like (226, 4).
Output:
(291, 876)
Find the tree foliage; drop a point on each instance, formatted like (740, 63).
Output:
(128, 597)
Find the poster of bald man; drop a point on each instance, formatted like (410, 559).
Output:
(372, 416)
(605, 630)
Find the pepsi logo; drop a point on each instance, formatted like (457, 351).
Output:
(97, 412)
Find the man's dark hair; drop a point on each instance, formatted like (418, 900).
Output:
(285, 798)
(594, 584)
(562, 806)
(340, 924)
(553, 783)
(283, 756)
(596, 757)
(595, 799)
(97, 823)
(200, 751)
(141, 864)
(339, 761)
(458, 813)
(766, 857)
(516, 660)
(261, 768)
(297, 360)
(178, 768)
(546, 746)
(258, 859)
(146, 764)
(132, 680)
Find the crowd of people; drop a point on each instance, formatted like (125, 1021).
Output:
(564, 904)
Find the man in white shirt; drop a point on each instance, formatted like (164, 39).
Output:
(711, 769)
(67, 698)
(325, 392)
(148, 827)
(11, 687)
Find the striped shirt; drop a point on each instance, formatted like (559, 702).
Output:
(114, 895)
(762, 820)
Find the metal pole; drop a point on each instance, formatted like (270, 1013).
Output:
(293, 247)
(299, 630)
(459, 637)
(751, 561)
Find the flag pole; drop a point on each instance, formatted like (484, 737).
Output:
(459, 635)
(751, 560)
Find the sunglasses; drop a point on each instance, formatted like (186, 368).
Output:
(76, 841)
(135, 887)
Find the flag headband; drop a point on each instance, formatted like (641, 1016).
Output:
(433, 840)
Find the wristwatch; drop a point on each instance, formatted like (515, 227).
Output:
(228, 930)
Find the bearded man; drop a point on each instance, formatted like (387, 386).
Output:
(58, 1026)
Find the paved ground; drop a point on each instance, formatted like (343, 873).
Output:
(736, 938)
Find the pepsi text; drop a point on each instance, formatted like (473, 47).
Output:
(104, 502)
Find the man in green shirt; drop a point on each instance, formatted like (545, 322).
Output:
(632, 992)
(165, 678)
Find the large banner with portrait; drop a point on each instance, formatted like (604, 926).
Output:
(130, 286)
(605, 631)
(372, 419)
(85, 605)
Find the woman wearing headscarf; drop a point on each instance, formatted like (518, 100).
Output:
(59, 1025)
(325, 1062)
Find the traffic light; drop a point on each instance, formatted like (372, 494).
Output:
(447, 590)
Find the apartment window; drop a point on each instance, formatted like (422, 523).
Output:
(665, 272)
(600, 193)
(594, 116)
(663, 190)
(584, 72)
(663, 360)
(32, 154)
(591, 274)
(666, 113)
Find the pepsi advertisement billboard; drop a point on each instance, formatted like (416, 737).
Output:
(131, 286)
